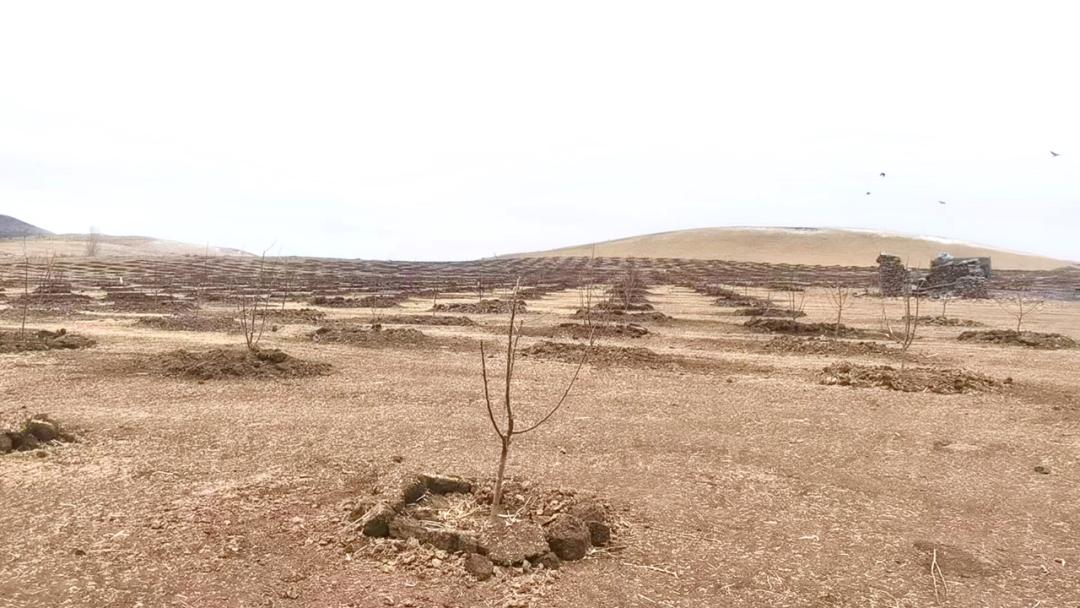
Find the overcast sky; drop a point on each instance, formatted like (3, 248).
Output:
(454, 130)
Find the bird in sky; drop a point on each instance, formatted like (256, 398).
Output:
(883, 173)
(867, 194)
(942, 203)
(1052, 153)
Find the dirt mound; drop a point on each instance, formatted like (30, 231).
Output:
(221, 363)
(633, 356)
(795, 328)
(941, 321)
(30, 433)
(500, 307)
(618, 305)
(304, 316)
(764, 311)
(55, 302)
(369, 301)
(376, 336)
(1030, 339)
(446, 320)
(579, 331)
(15, 341)
(822, 345)
(442, 520)
(944, 381)
(191, 322)
(620, 316)
(137, 301)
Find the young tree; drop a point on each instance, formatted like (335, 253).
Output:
(252, 303)
(505, 423)
(285, 276)
(945, 299)
(838, 295)
(905, 335)
(796, 301)
(93, 242)
(26, 289)
(1020, 303)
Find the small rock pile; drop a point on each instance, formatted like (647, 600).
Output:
(449, 515)
(37, 431)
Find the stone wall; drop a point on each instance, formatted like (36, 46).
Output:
(894, 276)
(958, 277)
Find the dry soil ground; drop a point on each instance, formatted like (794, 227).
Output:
(748, 485)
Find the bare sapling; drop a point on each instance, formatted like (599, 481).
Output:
(945, 299)
(629, 287)
(285, 276)
(905, 334)
(26, 290)
(251, 306)
(93, 242)
(796, 301)
(1020, 304)
(505, 423)
(838, 296)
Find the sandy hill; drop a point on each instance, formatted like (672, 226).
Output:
(821, 246)
(75, 245)
(11, 228)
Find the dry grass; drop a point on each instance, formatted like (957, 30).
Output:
(744, 489)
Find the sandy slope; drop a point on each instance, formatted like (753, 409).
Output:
(66, 245)
(797, 245)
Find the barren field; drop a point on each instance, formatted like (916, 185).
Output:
(736, 470)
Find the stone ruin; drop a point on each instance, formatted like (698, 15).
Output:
(958, 277)
(894, 276)
(948, 277)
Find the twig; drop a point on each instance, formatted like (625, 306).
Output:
(653, 568)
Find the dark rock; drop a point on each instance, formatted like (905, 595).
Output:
(549, 561)
(412, 490)
(519, 542)
(595, 517)
(376, 520)
(445, 484)
(43, 429)
(15, 438)
(568, 537)
(479, 566)
(29, 442)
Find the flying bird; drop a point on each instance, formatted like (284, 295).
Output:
(942, 203)
(867, 194)
(882, 174)
(1052, 153)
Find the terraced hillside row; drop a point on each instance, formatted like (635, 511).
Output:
(207, 275)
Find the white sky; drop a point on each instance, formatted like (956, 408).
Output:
(453, 130)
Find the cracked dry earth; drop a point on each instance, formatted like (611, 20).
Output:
(749, 484)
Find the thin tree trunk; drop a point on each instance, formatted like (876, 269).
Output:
(496, 500)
